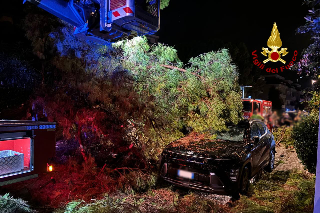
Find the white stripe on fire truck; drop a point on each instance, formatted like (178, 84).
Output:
(120, 12)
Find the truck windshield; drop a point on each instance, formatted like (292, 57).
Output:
(234, 133)
(247, 106)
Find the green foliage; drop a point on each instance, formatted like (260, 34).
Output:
(305, 135)
(314, 103)
(72, 206)
(280, 191)
(284, 136)
(302, 199)
(164, 4)
(251, 206)
(161, 200)
(11, 205)
(203, 95)
(106, 205)
(137, 181)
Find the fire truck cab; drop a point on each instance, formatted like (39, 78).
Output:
(250, 105)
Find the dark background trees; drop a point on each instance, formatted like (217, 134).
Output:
(274, 96)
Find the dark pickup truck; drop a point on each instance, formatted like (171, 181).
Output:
(223, 165)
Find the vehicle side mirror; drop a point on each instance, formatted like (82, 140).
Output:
(255, 139)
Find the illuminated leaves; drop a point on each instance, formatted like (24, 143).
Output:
(203, 95)
(164, 4)
(309, 63)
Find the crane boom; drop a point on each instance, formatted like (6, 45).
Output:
(107, 20)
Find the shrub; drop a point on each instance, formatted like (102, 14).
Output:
(137, 181)
(302, 199)
(305, 135)
(106, 205)
(284, 135)
(9, 204)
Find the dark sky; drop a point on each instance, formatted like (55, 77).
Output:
(186, 21)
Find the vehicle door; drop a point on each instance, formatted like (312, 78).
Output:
(264, 143)
(256, 149)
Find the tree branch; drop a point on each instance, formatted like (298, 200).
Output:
(180, 69)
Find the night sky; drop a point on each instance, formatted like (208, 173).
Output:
(204, 23)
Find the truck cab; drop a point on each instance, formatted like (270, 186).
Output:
(250, 105)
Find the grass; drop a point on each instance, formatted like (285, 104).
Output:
(281, 191)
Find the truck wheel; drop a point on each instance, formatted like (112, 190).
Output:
(244, 184)
(270, 165)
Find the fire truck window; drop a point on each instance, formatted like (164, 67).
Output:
(247, 106)
(256, 106)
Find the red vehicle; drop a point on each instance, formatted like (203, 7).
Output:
(250, 105)
(25, 149)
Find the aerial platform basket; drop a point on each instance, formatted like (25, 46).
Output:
(106, 20)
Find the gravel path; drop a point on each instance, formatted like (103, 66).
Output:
(287, 159)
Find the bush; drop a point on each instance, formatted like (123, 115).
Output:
(302, 199)
(284, 135)
(12, 205)
(106, 205)
(305, 135)
(137, 181)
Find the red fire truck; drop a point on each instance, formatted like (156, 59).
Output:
(250, 105)
(25, 149)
